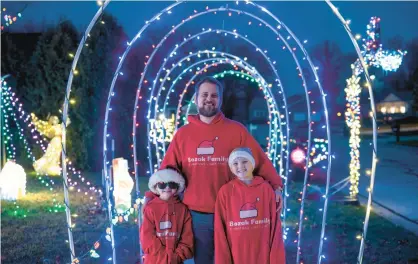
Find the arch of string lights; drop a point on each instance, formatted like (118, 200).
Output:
(281, 26)
(271, 104)
(197, 36)
(271, 107)
(117, 72)
(234, 61)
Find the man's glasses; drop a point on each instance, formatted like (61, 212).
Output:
(171, 185)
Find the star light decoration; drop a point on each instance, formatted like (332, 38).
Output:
(374, 56)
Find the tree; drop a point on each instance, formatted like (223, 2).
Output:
(411, 63)
(332, 68)
(97, 64)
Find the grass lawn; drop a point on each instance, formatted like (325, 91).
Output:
(41, 236)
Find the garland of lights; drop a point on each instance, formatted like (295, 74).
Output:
(157, 17)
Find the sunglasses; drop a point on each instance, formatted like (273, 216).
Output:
(171, 185)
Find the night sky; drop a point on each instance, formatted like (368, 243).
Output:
(313, 21)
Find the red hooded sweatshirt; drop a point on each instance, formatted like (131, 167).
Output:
(166, 232)
(200, 151)
(247, 226)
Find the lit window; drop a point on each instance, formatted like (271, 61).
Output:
(392, 110)
(403, 109)
(383, 109)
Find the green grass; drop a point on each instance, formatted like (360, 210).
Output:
(385, 242)
(42, 235)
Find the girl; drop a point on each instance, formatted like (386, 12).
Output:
(247, 225)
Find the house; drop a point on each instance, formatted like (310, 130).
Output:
(392, 105)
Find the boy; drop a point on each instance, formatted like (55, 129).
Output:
(247, 224)
(166, 232)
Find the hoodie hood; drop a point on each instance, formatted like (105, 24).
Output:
(257, 180)
(195, 119)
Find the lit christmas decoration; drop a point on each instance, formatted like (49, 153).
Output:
(13, 110)
(12, 181)
(375, 56)
(162, 129)
(49, 163)
(9, 19)
(123, 185)
(298, 156)
(145, 83)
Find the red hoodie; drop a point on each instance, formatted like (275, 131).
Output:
(200, 151)
(247, 226)
(166, 232)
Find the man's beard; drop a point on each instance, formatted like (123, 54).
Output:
(208, 111)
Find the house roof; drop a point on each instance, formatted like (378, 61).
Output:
(391, 98)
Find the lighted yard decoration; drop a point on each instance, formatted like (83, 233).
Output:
(153, 89)
(12, 181)
(49, 163)
(123, 185)
(374, 56)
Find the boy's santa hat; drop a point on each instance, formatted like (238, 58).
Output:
(166, 175)
(241, 153)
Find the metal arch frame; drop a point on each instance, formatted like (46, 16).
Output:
(372, 105)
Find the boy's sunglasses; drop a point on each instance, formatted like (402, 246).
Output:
(171, 185)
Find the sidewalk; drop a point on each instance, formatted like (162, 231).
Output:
(395, 194)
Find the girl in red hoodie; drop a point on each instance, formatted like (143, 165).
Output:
(166, 232)
(247, 224)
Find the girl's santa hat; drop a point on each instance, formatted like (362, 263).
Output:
(166, 175)
(241, 153)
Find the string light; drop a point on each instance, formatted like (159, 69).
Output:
(138, 97)
(375, 56)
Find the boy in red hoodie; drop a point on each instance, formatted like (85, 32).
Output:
(247, 224)
(166, 232)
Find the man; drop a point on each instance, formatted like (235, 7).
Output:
(200, 151)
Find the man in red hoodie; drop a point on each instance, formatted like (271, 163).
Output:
(247, 224)
(200, 150)
(166, 232)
